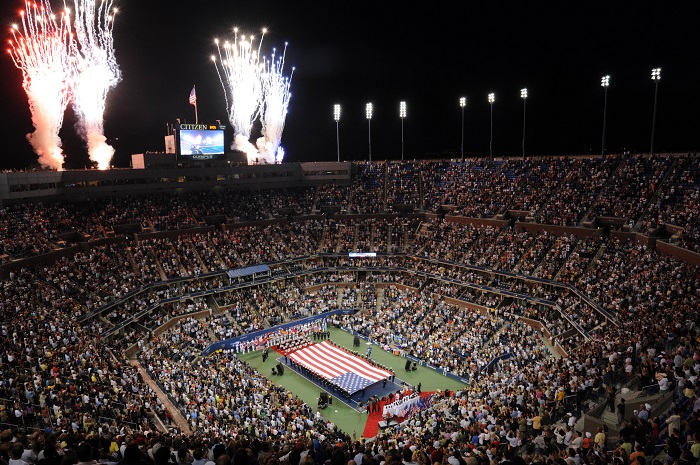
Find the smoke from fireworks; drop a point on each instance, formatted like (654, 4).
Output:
(240, 78)
(40, 48)
(275, 102)
(95, 73)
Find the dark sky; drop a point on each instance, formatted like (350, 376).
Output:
(429, 55)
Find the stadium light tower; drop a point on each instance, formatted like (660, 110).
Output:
(462, 103)
(656, 77)
(604, 83)
(336, 117)
(402, 115)
(492, 98)
(368, 113)
(523, 95)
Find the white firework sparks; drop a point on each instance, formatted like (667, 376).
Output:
(40, 47)
(275, 103)
(239, 71)
(95, 73)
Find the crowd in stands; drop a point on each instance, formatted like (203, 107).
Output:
(67, 382)
(57, 374)
(224, 397)
(367, 189)
(676, 203)
(86, 289)
(644, 192)
(635, 184)
(403, 183)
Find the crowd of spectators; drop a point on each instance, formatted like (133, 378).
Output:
(403, 187)
(636, 182)
(57, 375)
(676, 203)
(67, 382)
(276, 310)
(645, 192)
(368, 191)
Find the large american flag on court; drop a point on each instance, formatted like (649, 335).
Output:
(339, 366)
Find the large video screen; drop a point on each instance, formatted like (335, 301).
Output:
(201, 143)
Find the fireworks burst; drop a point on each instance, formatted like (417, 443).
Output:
(95, 73)
(40, 47)
(239, 71)
(275, 102)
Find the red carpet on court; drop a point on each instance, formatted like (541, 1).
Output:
(373, 419)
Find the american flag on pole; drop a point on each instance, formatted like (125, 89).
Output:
(193, 97)
(339, 366)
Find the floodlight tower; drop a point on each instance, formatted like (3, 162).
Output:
(462, 104)
(402, 115)
(656, 77)
(523, 95)
(604, 83)
(336, 117)
(368, 114)
(492, 98)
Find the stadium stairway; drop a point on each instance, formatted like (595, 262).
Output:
(214, 305)
(198, 258)
(657, 193)
(339, 296)
(587, 217)
(610, 418)
(132, 261)
(206, 323)
(380, 298)
(547, 343)
(177, 415)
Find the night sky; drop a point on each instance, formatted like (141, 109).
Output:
(355, 52)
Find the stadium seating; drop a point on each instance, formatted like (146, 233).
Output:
(464, 282)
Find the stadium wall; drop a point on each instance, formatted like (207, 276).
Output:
(81, 185)
(233, 225)
(52, 256)
(559, 230)
(476, 221)
(173, 234)
(639, 239)
(464, 304)
(683, 254)
(133, 350)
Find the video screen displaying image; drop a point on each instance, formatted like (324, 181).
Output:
(201, 142)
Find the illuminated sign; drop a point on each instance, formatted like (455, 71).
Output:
(362, 254)
(200, 127)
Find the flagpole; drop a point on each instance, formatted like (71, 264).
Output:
(196, 116)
